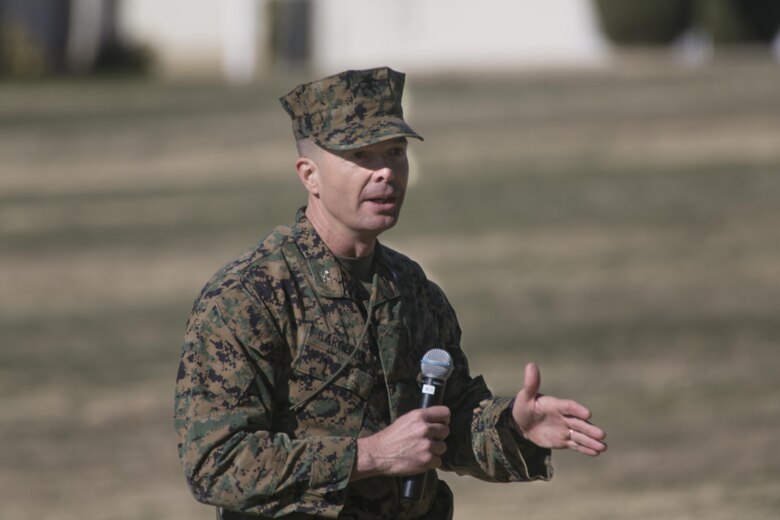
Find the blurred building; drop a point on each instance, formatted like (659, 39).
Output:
(241, 39)
(45, 37)
(33, 36)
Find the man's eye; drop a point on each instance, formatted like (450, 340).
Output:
(359, 155)
(398, 152)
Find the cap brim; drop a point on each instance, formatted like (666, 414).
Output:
(362, 133)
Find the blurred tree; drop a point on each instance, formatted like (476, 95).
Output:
(661, 22)
(33, 36)
(739, 21)
(95, 44)
(114, 55)
(644, 23)
(44, 37)
(19, 53)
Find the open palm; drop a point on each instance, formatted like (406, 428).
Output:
(550, 422)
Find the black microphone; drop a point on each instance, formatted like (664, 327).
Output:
(436, 366)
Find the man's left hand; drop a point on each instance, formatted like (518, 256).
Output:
(550, 422)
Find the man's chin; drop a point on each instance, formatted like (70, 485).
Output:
(380, 223)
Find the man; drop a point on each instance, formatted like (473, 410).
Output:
(299, 375)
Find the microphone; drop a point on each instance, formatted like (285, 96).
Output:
(436, 367)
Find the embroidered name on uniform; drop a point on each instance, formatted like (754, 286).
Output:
(331, 340)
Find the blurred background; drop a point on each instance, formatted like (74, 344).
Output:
(242, 41)
(598, 191)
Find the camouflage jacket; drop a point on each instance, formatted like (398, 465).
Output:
(273, 388)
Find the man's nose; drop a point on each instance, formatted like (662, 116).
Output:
(384, 170)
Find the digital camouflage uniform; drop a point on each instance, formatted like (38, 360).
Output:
(287, 360)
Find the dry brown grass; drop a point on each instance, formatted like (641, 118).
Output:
(619, 227)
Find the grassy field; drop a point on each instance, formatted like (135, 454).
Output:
(620, 227)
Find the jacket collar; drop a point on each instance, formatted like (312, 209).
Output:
(327, 274)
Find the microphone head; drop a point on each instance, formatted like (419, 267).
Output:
(437, 364)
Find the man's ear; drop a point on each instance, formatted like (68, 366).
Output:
(308, 173)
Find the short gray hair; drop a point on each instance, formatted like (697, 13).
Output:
(307, 148)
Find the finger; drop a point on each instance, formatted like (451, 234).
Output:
(532, 381)
(584, 441)
(585, 444)
(436, 414)
(439, 448)
(434, 463)
(574, 409)
(438, 431)
(586, 428)
(587, 451)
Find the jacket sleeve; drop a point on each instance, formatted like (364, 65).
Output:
(235, 434)
(482, 441)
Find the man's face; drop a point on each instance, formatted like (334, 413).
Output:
(359, 193)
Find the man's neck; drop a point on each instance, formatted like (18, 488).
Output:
(341, 243)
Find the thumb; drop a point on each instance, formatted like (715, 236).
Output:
(531, 383)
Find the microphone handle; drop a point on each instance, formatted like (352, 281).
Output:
(432, 395)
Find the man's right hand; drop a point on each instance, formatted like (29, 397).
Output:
(412, 444)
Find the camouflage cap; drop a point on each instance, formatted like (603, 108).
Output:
(349, 110)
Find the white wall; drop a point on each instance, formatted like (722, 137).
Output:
(229, 37)
(185, 35)
(442, 35)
